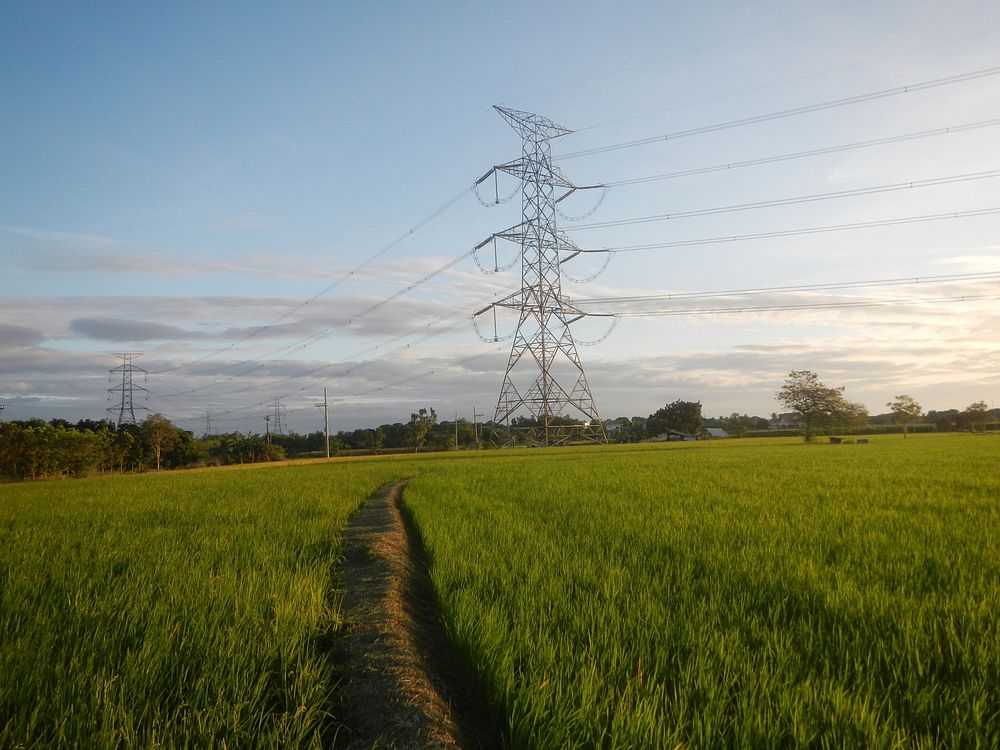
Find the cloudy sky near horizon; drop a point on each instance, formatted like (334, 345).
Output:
(252, 197)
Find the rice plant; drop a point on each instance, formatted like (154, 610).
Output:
(186, 610)
(744, 594)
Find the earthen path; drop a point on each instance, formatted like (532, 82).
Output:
(401, 687)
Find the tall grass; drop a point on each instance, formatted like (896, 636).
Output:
(738, 594)
(184, 610)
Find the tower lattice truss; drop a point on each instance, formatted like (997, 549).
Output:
(545, 380)
(125, 392)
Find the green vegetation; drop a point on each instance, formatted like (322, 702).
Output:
(756, 593)
(729, 594)
(184, 610)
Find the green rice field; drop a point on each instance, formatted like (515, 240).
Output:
(741, 593)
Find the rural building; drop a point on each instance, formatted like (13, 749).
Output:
(788, 421)
(612, 426)
(714, 433)
(669, 436)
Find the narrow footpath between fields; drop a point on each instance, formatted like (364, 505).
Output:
(401, 685)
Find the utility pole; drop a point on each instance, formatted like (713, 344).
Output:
(127, 369)
(326, 420)
(549, 382)
(456, 430)
(475, 424)
(267, 427)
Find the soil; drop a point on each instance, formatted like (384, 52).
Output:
(402, 685)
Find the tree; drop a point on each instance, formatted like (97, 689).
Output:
(420, 424)
(682, 416)
(977, 415)
(905, 411)
(158, 433)
(819, 406)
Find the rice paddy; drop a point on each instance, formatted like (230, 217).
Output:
(742, 593)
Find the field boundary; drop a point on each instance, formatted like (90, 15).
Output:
(401, 685)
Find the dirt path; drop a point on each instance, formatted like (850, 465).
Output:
(402, 687)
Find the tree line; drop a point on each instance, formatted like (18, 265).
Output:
(819, 409)
(35, 449)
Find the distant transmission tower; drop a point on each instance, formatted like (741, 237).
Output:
(279, 427)
(126, 404)
(544, 377)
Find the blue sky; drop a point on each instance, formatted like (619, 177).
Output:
(174, 176)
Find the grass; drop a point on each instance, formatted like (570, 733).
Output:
(182, 610)
(758, 593)
(733, 594)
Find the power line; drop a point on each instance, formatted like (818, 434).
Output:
(796, 232)
(805, 306)
(803, 154)
(249, 413)
(793, 79)
(797, 199)
(829, 286)
(256, 331)
(632, 248)
(451, 325)
(351, 369)
(820, 106)
(303, 343)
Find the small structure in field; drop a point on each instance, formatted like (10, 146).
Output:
(713, 433)
(788, 421)
(670, 436)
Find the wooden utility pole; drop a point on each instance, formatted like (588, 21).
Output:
(456, 430)
(325, 406)
(475, 424)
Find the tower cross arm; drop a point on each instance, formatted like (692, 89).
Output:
(530, 125)
(547, 174)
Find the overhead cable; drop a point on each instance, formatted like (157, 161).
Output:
(829, 286)
(798, 199)
(257, 330)
(805, 306)
(796, 232)
(803, 154)
(793, 79)
(794, 111)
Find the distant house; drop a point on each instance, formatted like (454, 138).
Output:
(788, 421)
(714, 433)
(613, 426)
(670, 436)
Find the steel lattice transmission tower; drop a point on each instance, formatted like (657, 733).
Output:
(126, 404)
(544, 376)
(279, 416)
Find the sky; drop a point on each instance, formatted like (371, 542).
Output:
(268, 199)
